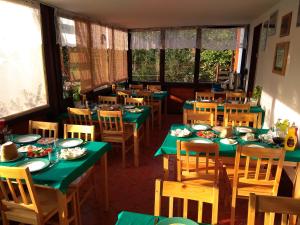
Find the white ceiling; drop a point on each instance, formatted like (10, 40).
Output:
(166, 13)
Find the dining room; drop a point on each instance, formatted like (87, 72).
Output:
(149, 112)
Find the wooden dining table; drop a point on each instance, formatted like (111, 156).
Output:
(189, 106)
(227, 153)
(59, 176)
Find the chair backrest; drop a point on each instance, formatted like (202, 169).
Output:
(152, 87)
(17, 190)
(191, 154)
(204, 96)
(80, 116)
(230, 109)
(236, 96)
(242, 119)
(46, 129)
(107, 100)
(258, 165)
(134, 101)
(111, 122)
(136, 86)
(147, 95)
(285, 206)
(122, 94)
(86, 132)
(207, 109)
(83, 99)
(178, 190)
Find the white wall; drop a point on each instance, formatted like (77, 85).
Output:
(281, 94)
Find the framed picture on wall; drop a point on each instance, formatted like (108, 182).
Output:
(272, 24)
(280, 57)
(264, 35)
(298, 16)
(286, 25)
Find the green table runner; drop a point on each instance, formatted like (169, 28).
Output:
(169, 145)
(61, 175)
(131, 218)
(157, 95)
(253, 109)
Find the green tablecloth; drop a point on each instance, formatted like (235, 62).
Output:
(169, 145)
(61, 175)
(160, 95)
(253, 109)
(131, 218)
(138, 118)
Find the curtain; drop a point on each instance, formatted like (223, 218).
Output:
(219, 38)
(101, 42)
(120, 56)
(181, 38)
(145, 40)
(67, 36)
(23, 84)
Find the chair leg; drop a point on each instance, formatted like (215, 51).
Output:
(152, 119)
(4, 219)
(233, 206)
(76, 208)
(123, 154)
(215, 207)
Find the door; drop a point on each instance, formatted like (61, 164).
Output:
(253, 60)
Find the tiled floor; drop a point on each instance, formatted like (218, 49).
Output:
(132, 189)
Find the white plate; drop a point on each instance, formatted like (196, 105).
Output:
(228, 141)
(244, 130)
(72, 153)
(181, 132)
(200, 127)
(255, 146)
(27, 138)
(70, 142)
(20, 155)
(35, 165)
(202, 141)
(129, 106)
(205, 100)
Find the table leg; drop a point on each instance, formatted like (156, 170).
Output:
(259, 120)
(296, 190)
(184, 116)
(159, 115)
(148, 131)
(166, 166)
(62, 207)
(136, 146)
(166, 107)
(105, 180)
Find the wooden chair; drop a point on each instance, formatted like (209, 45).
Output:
(152, 87)
(46, 129)
(182, 191)
(154, 105)
(200, 165)
(84, 185)
(204, 96)
(24, 203)
(122, 94)
(242, 119)
(287, 207)
(208, 111)
(136, 86)
(83, 99)
(113, 130)
(234, 109)
(112, 100)
(255, 175)
(134, 101)
(236, 96)
(80, 116)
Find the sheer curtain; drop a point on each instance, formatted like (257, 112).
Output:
(219, 38)
(120, 55)
(180, 38)
(145, 40)
(23, 83)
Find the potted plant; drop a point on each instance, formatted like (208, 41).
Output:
(76, 96)
(256, 95)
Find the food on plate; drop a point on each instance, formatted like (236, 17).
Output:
(34, 151)
(226, 132)
(228, 141)
(45, 141)
(180, 132)
(72, 153)
(206, 134)
(9, 151)
(249, 137)
(135, 110)
(217, 128)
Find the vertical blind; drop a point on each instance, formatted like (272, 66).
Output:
(97, 54)
(21, 59)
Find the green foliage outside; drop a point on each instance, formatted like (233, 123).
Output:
(209, 60)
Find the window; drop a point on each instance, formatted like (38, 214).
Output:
(221, 52)
(145, 55)
(120, 55)
(23, 83)
(180, 55)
